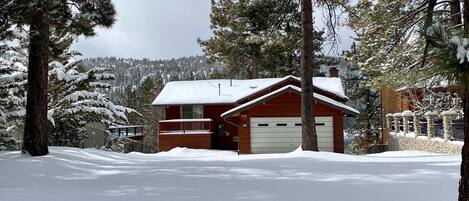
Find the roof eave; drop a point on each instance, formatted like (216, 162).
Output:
(288, 88)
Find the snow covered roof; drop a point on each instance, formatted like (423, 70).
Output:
(330, 84)
(130, 126)
(430, 83)
(318, 97)
(226, 91)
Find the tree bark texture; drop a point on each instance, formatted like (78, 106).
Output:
(309, 137)
(35, 131)
(464, 180)
(456, 12)
(256, 54)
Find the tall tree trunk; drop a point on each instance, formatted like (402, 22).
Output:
(256, 54)
(428, 23)
(35, 131)
(464, 180)
(368, 132)
(456, 12)
(308, 128)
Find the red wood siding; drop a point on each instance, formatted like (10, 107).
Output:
(285, 105)
(338, 132)
(173, 112)
(194, 141)
(288, 105)
(220, 140)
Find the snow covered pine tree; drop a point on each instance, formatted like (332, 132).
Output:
(76, 98)
(12, 83)
(43, 17)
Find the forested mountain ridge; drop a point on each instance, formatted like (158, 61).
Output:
(131, 72)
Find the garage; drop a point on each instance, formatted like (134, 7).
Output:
(283, 134)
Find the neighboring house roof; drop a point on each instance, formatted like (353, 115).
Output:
(429, 83)
(208, 91)
(318, 97)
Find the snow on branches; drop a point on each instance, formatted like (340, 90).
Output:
(76, 98)
(436, 101)
(12, 82)
(462, 48)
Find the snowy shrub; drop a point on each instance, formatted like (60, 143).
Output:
(116, 144)
(122, 144)
(361, 143)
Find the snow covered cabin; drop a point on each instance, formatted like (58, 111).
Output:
(251, 116)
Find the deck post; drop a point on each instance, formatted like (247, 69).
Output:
(406, 116)
(430, 116)
(417, 128)
(448, 117)
(397, 124)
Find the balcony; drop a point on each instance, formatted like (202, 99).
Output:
(185, 126)
(134, 132)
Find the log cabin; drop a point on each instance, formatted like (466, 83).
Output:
(250, 116)
(398, 100)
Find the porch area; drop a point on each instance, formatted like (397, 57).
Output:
(189, 133)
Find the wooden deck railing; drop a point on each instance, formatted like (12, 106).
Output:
(185, 126)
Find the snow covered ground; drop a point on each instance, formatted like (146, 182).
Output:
(183, 174)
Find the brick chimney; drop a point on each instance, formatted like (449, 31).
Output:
(333, 72)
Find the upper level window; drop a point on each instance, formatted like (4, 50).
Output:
(192, 112)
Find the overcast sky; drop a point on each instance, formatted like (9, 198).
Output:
(160, 29)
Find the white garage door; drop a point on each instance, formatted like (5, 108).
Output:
(283, 134)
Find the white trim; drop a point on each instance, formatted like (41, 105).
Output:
(336, 103)
(271, 137)
(184, 132)
(316, 95)
(130, 126)
(186, 120)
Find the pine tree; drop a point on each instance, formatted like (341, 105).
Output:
(131, 100)
(149, 89)
(309, 136)
(77, 99)
(174, 77)
(257, 38)
(363, 96)
(140, 98)
(421, 40)
(42, 16)
(12, 81)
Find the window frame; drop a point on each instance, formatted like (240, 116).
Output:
(196, 111)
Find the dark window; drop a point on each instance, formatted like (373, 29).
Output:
(297, 124)
(320, 124)
(221, 130)
(262, 124)
(192, 112)
(283, 124)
